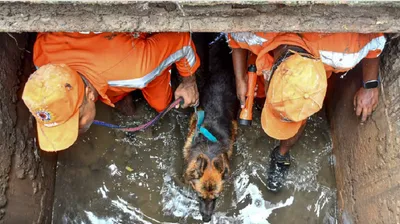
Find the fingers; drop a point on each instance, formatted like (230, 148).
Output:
(190, 101)
(242, 99)
(190, 97)
(241, 90)
(374, 106)
(186, 102)
(195, 98)
(364, 115)
(358, 110)
(364, 112)
(375, 103)
(196, 104)
(365, 102)
(177, 106)
(369, 111)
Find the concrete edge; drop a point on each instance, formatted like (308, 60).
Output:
(199, 16)
(208, 2)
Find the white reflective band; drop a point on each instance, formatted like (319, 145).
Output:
(248, 37)
(340, 60)
(142, 82)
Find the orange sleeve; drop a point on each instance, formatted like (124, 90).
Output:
(190, 62)
(379, 42)
(175, 48)
(374, 54)
(232, 43)
(39, 58)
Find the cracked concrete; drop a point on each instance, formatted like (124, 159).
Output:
(199, 16)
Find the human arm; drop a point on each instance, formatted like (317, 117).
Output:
(366, 100)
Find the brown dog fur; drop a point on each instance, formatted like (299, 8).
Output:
(204, 174)
(207, 163)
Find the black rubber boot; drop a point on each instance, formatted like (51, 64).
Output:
(259, 103)
(278, 170)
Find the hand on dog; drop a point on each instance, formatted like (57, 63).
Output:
(365, 102)
(188, 91)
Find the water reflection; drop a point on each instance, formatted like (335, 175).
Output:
(112, 177)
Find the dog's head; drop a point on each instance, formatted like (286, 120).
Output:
(207, 176)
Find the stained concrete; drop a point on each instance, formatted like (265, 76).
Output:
(199, 16)
(368, 156)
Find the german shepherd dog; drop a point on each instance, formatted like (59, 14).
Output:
(207, 163)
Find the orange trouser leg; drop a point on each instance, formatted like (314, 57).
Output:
(158, 93)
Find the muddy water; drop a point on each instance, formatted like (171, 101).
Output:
(111, 177)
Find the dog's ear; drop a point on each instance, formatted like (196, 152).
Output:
(196, 170)
(218, 163)
(222, 165)
(201, 165)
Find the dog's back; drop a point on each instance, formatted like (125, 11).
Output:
(218, 97)
(207, 162)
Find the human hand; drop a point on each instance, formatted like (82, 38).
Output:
(365, 102)
(188, 91)
(241, 91)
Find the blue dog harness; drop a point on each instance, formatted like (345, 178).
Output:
(202, 130)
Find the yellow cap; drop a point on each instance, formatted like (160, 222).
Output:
(53, 95)
(296, 91)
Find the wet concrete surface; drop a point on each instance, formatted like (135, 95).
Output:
(109, 176)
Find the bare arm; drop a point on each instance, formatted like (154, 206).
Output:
(366, 100)
(370, 68)
(239, 58)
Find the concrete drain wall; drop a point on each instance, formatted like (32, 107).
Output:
(368, 156)
(26, 173)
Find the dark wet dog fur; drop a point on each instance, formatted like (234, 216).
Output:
(207, 164)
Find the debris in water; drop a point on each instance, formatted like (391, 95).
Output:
(129, 169)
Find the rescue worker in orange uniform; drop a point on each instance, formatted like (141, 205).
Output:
(296, 68)
(76, 69)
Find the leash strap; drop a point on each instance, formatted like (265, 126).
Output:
(202, 130)
(199, 126)
(143, 126)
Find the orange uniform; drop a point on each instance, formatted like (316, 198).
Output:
(339, 52)
(298, 87)
(118, 63)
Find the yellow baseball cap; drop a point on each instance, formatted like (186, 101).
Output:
(296, 91)
(53, 95)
